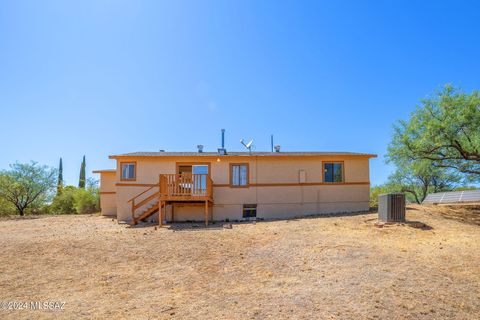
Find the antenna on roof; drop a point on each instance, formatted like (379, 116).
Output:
(248, 145)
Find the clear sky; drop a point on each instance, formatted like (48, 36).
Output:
(103, 77)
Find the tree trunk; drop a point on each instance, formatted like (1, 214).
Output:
(414, 194)
(21, 210)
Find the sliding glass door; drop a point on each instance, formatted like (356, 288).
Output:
(199, 179)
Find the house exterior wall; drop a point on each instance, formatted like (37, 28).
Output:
(108, 199)
(274, 186)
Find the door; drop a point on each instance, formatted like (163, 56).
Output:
(199, 182)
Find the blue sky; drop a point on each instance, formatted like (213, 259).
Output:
(103, 77)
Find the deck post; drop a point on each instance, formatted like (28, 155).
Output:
(165, 211)
(133, 212)
(211, 212)
(160, 210)
(206, 213)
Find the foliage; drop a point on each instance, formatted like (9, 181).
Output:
(445, 131)
(375, 191)
(60, 178)
(6, 208)
(88, 200)
(77, 200)
(418, 178)
(465, 188)
(27, 186)
(64, 203)
(82, 178)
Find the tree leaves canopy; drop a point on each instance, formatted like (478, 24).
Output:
(444, 130)
(26, 185)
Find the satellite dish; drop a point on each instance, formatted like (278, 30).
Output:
(248, 145)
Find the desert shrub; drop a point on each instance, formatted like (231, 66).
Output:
(64, 203)
(6, 208)
(375, 191)
(74, 200)
(87, 200)
(39, 209)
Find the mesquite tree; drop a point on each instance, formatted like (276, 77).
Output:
(27, 185)
(445, 130)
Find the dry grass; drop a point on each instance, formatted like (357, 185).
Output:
(325, 267)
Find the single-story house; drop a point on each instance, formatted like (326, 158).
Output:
(209, 186)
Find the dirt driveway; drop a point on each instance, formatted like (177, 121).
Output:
(323, 267)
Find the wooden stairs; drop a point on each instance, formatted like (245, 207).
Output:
(149, 211)
(171, 188)
(145, 204)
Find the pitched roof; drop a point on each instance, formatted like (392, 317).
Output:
(245, 154)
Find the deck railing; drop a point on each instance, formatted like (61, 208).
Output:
(186, 185)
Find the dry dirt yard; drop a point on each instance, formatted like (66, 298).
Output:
(340, 267)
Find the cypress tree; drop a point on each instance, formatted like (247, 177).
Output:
(81, 180)
(60, 178)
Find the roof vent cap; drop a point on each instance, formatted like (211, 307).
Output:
(277, 148)
(200, 148)
(161, 150)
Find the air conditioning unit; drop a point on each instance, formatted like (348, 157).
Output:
(391, 207)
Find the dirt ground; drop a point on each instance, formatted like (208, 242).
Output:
(340, 267)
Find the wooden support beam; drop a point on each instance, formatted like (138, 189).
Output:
(206, 213)
(165, 211)
(160, 210)
(211, 211)
(173, 212)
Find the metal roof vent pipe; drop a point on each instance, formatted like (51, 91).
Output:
(222, 151)
(200, 148)
(277, 148)
(223, 138)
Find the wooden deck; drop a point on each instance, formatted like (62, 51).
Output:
(173, 188)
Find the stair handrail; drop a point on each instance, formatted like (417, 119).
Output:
(138, 195)
(136, 206)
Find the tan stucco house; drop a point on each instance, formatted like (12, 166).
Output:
(206, 186)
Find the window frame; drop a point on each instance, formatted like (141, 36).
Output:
(190, 164)
(134, 171)
(333, 162)
(252, 208)
(247, 185)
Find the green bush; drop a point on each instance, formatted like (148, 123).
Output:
(86, 201)
(64, 203)
(76, 200)
(375, 191)
(6, 208)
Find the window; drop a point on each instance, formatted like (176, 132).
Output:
(239, 175)
(249, 210)
(333, 172)
(128, 171)
(199, 177)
